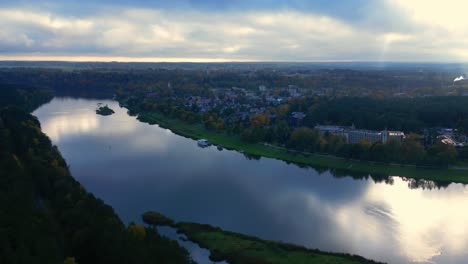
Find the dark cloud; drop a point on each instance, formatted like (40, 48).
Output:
(349, 10)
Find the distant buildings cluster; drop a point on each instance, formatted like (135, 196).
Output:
(450, 136)
(241, 103)
(353, 135)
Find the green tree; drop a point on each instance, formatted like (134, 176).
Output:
(377, 152)
(393, 150)
(70, 260)
(463, 153)
(412, 151)
(304, 138)
(360, 150)
(282, 132)
(154, 219)
(336, 144)
(442, 154)
(253, 135)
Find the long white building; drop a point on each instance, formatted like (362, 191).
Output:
(353, 135)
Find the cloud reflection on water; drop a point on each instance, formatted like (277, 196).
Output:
(137, 167)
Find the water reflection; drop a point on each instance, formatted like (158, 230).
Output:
(200, 255)
(65, 123)
(137, 167)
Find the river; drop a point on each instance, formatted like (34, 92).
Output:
(135, 167)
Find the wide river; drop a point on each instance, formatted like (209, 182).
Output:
(136, 167)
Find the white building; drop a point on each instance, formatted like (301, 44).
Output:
(353, 135)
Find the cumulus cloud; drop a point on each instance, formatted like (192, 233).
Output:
(375, 30)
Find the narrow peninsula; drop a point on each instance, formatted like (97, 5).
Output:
(237, 248)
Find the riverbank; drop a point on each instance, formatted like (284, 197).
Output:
(197, 131)
(241, 249)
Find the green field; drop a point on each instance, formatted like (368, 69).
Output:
(241, 249)
(342, 165)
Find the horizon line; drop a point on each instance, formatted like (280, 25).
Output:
(123, 59)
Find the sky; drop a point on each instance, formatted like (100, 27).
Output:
(235, 30)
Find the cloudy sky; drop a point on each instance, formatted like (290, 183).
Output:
(235, 30)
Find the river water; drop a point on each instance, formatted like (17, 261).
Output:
(136, 167)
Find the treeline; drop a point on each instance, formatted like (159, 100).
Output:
(26, 97)
(103, 81)
(48, 217)
(409, 151)
(406, 114)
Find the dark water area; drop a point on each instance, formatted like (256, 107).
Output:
(136, 167)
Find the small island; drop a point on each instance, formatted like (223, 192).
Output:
(104, 111)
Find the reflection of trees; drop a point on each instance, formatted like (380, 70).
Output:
(376, 177)
(252, 156)
(424, 184)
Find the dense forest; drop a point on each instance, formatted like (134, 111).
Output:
(103, 79)
(23, 96)
(48, 217)
(406, 114)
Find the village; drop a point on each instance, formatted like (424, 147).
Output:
(239, 105)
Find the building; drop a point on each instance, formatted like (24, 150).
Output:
(450, 140)
(334, 130)
(262, 88)
(298, 115)
(394, 135)
(358, 135)
(353, 135)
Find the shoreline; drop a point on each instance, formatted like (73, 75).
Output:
(367, 168)
(238, 248)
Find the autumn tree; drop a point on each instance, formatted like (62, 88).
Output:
(70, 260)
(282, 111)
(259, 120)
(154, 219)
(219, 125)
(137, 231)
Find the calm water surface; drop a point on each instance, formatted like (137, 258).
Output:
(137, 167)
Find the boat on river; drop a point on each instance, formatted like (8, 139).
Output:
(203, 143)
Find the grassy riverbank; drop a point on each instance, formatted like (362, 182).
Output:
(242, 249)
(197, 131)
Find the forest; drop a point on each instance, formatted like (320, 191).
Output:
(48, 217)
(405, 114)
(102, 79)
